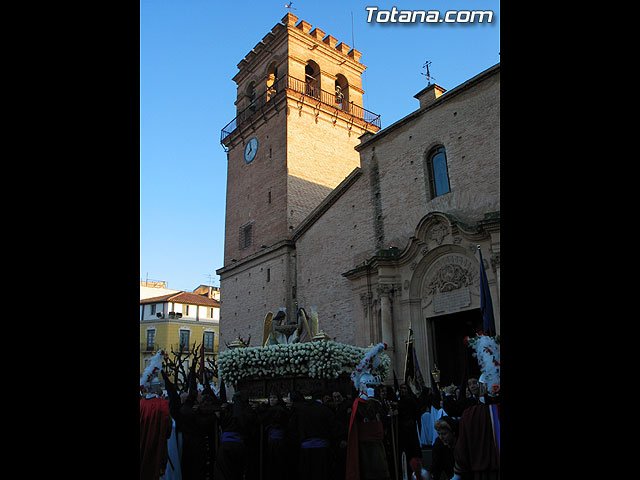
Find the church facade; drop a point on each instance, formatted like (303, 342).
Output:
(378, 229)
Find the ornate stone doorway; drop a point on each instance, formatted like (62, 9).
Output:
(432, 287)
(450, 352)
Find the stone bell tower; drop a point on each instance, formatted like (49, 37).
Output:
(299, 116)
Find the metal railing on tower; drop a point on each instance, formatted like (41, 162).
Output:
(336, 100)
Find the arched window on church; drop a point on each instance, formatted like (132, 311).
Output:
(438, 172)
(312, 79)
(272, 79)
(342, 92)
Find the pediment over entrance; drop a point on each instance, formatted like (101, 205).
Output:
(436, 234)
(437, 228)
(450, 283)
(435, 277)
(434, 228)
(444, 270)
(445, 278)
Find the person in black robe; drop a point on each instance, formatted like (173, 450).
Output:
(408, 418)
(197, 420)
(291, 433)
(237, 423)
(388, 406)
(472, 396)
(342, 411)
(274, 418)
(316, 431)
(442, 459)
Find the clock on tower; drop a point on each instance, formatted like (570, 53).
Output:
(251, 149)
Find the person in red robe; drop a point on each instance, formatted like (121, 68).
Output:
(366, 457)
(477, 452)
(155, 430)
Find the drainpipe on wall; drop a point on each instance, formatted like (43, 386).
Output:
(369, 310)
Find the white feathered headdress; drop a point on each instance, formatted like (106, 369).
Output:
(363, 374)
(488, 355)
(152, 369)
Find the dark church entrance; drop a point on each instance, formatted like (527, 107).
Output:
(452, 356)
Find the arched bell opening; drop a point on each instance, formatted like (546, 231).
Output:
(342, 92)
(312, 79)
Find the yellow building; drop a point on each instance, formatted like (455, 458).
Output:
(172, 319)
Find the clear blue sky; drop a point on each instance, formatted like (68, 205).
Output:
(189, 50)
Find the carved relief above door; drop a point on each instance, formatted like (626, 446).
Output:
(450, 284)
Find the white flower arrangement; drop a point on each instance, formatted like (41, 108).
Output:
(487, 351)
(152, 369)
(325, 359)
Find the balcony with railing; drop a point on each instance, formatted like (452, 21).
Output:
(146, 347)
(272, 93)
(149, 347)
(189, 347)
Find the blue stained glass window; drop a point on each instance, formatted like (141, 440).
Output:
(438, 172)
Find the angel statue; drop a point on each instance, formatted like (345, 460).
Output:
(304, 329)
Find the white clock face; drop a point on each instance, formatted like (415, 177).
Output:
(250, 149)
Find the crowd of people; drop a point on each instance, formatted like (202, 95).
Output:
(334, 436)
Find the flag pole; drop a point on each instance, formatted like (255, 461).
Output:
(203, 374)
(406, 355)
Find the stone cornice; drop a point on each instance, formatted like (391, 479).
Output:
(262, 115)
(344, 59)
(418, 244)
(253, 259)
(203, 322)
